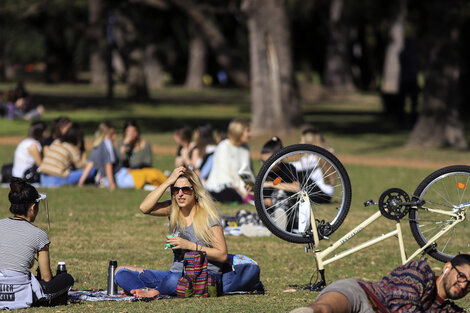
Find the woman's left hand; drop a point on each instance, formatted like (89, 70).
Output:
(180, 243)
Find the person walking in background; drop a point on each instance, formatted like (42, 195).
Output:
(28, 153)
(65, 159)
(21, 243)
(412, 287)
(133, 151)
(195, 225)
(231, 162)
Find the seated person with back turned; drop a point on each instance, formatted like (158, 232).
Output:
(276, 195)
(412, 287)
(21, 243)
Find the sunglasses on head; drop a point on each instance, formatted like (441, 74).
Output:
(187, 190)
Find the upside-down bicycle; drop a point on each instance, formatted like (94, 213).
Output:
(305, 185)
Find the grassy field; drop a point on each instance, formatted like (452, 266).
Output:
(90, 226)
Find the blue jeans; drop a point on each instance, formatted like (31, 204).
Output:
(122, 179)
(56, 181)
(164, 281)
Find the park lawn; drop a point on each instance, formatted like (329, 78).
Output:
(90, 226)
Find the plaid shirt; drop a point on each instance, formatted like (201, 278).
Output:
(408, 288)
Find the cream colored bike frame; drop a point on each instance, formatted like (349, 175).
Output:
(320, 255)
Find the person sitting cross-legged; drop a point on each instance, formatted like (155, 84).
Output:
(194, 224)
(412, 287)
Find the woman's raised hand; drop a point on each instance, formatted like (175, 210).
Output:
(177, 172)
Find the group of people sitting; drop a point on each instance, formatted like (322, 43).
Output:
(61, 158)
(18, 104)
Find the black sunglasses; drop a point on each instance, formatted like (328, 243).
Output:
(187, 190)
(461, 277)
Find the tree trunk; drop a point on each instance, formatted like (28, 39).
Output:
(152, 66)
(393, 101)
(216, 41)
(439, 123)
(391, 71)
(129, 38)
(338, 65)
(197, 59)
(275, 105)
(97, 37)
(136, 81)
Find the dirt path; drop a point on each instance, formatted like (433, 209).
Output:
(344, 158)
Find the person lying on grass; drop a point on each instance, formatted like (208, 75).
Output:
(412, 287)
(194, 224)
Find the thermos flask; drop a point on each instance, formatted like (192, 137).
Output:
(61, 268)
(112, 287)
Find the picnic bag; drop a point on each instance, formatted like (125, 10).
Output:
(196, 279)
(241, 275)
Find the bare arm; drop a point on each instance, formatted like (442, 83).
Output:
(34, 151)
(289, 187)
(45, 263)
(85, 173)
(218, 252)
(110, 175)
(151, 204)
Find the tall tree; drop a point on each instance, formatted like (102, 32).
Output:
(275, 105)
(97, 42)
(338, 67)
(132, 47)
(216, 41)
(391, 97)
(439, 122)
(197, 58)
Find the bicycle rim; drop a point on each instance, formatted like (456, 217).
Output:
(319, 174)
(444, 189)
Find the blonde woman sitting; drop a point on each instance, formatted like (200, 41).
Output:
(195, 225)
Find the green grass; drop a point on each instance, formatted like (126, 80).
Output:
(90, 226)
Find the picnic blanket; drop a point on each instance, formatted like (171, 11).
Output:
(101, 295)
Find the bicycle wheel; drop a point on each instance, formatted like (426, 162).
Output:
(444, 189)
(296, 181)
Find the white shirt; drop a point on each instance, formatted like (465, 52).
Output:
(23, 159)
(229, 162)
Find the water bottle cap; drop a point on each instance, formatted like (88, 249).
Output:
(112, 263)
(61, 263)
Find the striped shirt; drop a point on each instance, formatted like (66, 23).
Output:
(20, 241)
(408, 288)
(60, 157)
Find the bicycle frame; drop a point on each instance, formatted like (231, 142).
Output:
(320, 255)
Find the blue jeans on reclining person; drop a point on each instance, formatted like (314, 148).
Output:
(57, 181)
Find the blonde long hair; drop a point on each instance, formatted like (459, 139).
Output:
(205, 211)
(100, 134)
(236, 129)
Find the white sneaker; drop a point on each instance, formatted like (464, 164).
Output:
(280, 218)
(302, 310)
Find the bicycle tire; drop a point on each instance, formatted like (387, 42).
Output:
(324, 165)
(443, 189)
